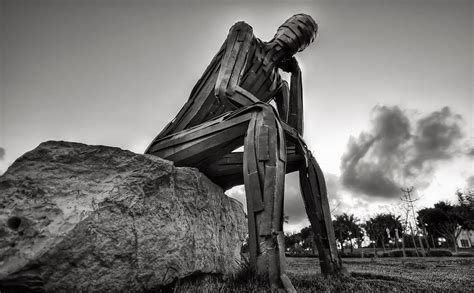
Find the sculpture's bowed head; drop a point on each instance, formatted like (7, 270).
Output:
(296, 33)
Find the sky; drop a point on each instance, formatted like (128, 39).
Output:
(388, 85)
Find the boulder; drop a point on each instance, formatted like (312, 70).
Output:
(75, 217)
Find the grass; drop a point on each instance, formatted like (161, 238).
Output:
(375, 275)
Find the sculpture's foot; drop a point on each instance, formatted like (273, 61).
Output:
(272, 263)
(342, 271)
(332, 268)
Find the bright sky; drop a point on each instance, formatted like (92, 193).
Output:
(115, 72)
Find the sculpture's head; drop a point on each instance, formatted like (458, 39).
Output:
(296, 33)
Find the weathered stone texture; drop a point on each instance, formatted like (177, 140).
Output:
(97, 218)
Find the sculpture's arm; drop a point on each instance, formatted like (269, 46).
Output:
(237, 48)
(220, 78)
(203, 87)
(282, 100)
(295, 100)
(295, 117)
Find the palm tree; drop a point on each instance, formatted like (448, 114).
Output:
(346, 228)
(377, 226)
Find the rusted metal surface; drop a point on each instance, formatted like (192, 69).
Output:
(229, 108)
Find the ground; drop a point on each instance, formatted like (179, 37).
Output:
(435, 273)
(365, 274)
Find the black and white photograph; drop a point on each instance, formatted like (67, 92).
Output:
(236, 146)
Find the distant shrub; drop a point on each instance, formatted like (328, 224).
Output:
(440, 253)
(301, 255)
(369, 254)
(357, 254)
(412, 253)
(399, 253)
(464, 254)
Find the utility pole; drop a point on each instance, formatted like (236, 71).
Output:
(406, 197)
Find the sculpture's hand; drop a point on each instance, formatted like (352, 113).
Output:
(289, 65)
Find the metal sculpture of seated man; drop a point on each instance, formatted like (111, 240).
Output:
(229, 108)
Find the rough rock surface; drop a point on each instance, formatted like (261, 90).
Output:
(94, 218)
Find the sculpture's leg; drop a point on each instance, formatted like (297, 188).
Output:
(258, 129)
(226, 171)
(313, 188)
(264, 175)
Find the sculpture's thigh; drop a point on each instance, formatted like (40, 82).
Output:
(207, 142)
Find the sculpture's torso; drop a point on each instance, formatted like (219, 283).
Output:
(260, 77)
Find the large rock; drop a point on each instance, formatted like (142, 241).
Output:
(97, 218)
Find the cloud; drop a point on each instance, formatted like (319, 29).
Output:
(470, 182)
(294, 205)
(435, 139)
(379, 161)
(470, 152)
(2, 153)
(370, 160)
(333, 187)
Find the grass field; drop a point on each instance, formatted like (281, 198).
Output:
(449, 273)
(382, 274)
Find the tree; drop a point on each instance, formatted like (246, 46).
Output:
(346, 228)
(447, 220)
(358, 234)
(307, 236)
(292, 243)
(465, 208)
(298, 243)
(410, 219)
(377, 226)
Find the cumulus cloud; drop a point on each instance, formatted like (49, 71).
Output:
(470, 152)
(395, 150)
(333, 188)
(470, 182)
(339, 201)
(435, 139)
(294, 205)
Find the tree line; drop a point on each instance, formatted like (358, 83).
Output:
(421, 230)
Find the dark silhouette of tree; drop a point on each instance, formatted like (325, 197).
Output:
(358, 235)
(307, 236)
(377, 226)
(347, 229)
(465, 208)
(298, 243)
(293, 243)
(447, 220)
